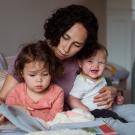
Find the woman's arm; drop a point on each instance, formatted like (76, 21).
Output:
(9, 84)
(106, 96)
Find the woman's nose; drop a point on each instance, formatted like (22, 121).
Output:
(67, 47)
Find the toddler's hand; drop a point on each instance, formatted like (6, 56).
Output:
(2, 119)
(30, 109)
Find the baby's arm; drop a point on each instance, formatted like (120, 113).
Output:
(76, 93)
(76, 103)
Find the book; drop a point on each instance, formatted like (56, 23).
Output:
(103, 129)
(27, 123)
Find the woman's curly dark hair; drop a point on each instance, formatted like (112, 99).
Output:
(64, 18)
(37, 51)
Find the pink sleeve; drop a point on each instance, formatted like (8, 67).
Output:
(58, 105)
(14, 98)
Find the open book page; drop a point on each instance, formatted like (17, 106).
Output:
(62, 132)
(10, 130)
(77, 125)
(21, 119)
(27, 123)
(7, 127)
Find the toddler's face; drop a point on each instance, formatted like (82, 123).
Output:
(94, 66)
(36, 77)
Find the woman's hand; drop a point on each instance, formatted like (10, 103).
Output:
(106, 96)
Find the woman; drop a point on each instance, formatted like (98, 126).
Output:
(69, 31)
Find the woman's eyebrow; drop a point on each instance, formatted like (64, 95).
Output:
(81, 43)
(67, 35)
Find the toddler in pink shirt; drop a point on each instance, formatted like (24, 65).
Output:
(35, 67)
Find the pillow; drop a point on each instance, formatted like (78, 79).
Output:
(3, 62)
(115, 72)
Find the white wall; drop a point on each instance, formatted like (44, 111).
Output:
(22, 21)
(120, 34)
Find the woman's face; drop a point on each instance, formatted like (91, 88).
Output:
(71, 42)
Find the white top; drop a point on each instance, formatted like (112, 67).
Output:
(86, 89)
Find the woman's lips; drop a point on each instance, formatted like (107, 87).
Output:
(61, 54)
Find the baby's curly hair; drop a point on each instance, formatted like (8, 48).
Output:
(64, 18)
(36, 51)
(92, 51)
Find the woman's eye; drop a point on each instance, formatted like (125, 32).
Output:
(77, 45)
(65, 37)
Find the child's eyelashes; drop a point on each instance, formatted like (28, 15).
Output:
(45, 74)
(90, 61)
(100, 62)
(93, 61)
(32, 75)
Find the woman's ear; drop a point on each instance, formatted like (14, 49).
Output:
(80, 66)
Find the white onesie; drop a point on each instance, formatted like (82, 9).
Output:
(86, 89)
